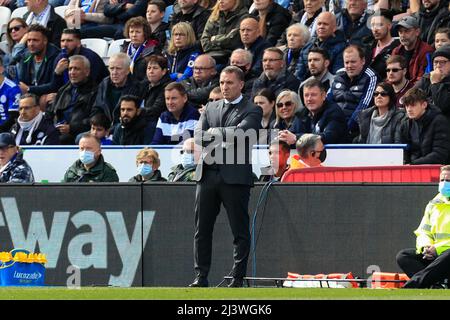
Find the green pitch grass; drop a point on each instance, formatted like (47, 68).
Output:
(55, 293)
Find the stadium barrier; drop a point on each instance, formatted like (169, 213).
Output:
(142, 235)
(49, 163)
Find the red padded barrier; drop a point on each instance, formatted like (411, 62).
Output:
(382, 174)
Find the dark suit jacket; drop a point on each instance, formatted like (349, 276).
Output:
(245, 115)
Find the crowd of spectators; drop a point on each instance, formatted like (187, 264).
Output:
(354, 71)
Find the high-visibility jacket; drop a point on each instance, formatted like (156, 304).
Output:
(434, 229)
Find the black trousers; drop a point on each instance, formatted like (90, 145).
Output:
(423, 273)
(211, 192)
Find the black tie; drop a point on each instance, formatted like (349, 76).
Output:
(227, 108)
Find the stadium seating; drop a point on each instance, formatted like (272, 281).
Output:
(100, 46)
(382, 174)
(5, 15)
(60, 10)
(19, 12)
(114, 46)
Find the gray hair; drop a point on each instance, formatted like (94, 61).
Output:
(306, 143)
(86, 62)
(248, 56)
(295, 99)
(124, 57)
(304, 31)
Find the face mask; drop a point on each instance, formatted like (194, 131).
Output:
(187, 159)
(144, 169)
(323, 155)
(87, 157)
(444, 188)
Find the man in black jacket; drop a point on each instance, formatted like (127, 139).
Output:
(436, 84)
(118, 83)
(32, 127)
(131, 129)
(72, 108)
(226, 131)
(37, 67)
(430, 15)
(425, 129)
(383, 43)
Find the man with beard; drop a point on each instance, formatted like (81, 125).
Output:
(429, 16)
(36, 68)
(275, 75)
(396, 69)
(383, 43)
(412, 48)
(318, 63)
(72, 108)
(131, 129)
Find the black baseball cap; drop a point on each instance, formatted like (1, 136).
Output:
(7, 139)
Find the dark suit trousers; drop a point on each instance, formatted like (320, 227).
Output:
(211, 192)
(423, 273)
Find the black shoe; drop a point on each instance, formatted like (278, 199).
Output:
(199, 283)
(236, 283)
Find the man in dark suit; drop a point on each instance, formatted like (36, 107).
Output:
(227, 130)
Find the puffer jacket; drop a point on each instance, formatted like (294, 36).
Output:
(277, 20)
(101, 172)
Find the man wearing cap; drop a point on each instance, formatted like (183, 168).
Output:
(437, 84)
(412, 48)
(13, 168)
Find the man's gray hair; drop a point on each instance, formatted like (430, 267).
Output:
(306, 35)
(306, 143)
(77, 57)
(248, 56)
(126, 62)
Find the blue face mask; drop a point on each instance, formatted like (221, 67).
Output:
(87, 157)
(187, 159)
(444, 188)
(144, 169)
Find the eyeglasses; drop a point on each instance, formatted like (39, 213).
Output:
(15, 28)
(212, 100)
(202, 68)
(286, 104)
(186, 151)
(440, 62)
(446, 180)
(380, 93)
(271, 60)
(393, 70)
(179, 34)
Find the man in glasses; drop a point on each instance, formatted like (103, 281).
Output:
(275, 75)
(396, 69)
(428, 264)
(32, 127)
(425, 130)
(310, 152)
(203, 80)
(437, 83)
